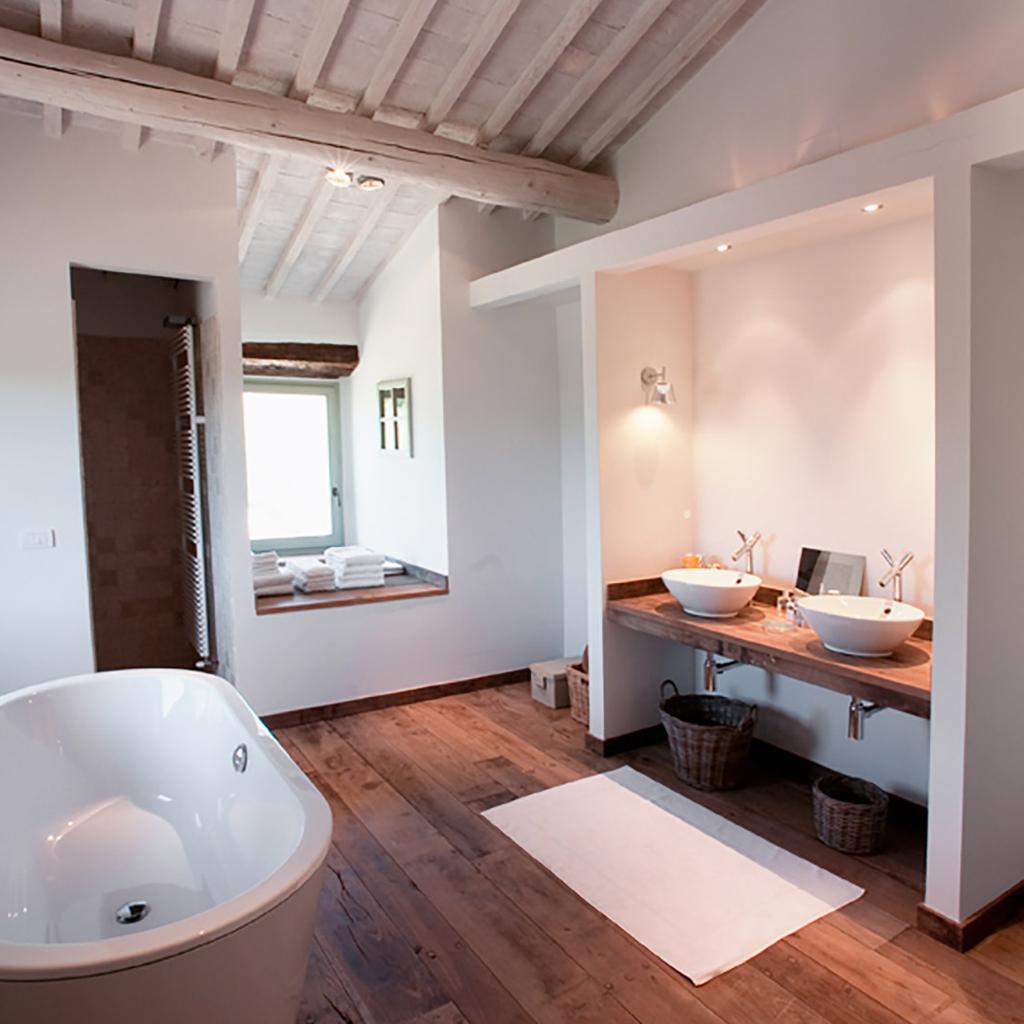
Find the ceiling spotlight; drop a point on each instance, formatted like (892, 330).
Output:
(723, 247)
(872, 207)
(369, 183)
(338, 177)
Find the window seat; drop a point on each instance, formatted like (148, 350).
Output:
(396, 588)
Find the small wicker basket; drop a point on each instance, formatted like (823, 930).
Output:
(579, 693)
(850, 814)
(709, 737)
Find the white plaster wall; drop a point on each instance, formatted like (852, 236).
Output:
(646, 473)
(814, 423)
(804, 79)
(286, 318)
(160, 211)
(814, 403)
(398, 504)
(502, 468)
(994, 765)
(574, 476)
(645, 319)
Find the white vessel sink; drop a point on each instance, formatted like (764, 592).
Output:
(866, 627)
(711, 593)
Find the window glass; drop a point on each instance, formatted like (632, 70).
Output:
(288, 462)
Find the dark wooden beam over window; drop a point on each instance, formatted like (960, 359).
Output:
(297, 359)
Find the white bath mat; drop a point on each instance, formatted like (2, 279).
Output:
(698, 891)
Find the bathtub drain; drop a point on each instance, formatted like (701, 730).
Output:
(132, 912)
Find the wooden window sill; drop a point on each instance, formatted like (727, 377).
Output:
(396, 588)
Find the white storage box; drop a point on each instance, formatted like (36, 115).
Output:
(549, 683)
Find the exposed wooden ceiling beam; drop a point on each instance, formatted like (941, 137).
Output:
(544, 60)
(395, 54)
(348, 254)
(51, 26)
(147, 22)
(467, 65)
(323, 192)
(314, 55)
(266, 176)
(237, 20)
(665, 71)
(299, 359)
(594, 77)
(318, 46)
(136, 92)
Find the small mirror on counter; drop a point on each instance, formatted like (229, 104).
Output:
(824, 571)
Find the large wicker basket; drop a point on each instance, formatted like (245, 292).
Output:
(709, 737)
(850, 814)
(579, 693)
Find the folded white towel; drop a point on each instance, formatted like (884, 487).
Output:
(353, 555)
(272, 579)
(309, 567)
(393, 568)
(264, 558)
(367, 578)
(270, 591)
(357, 584)
(314, 586)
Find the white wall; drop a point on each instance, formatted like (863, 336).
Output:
(285, 318)
(398, 504)
(814, 406)
(160, 211)
(574, 476)
(645, 455)
(814, 403)
(994, 754)
(804, 79)
(502, 463)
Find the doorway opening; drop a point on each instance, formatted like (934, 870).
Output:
(143, 459)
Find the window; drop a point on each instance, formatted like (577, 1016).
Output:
(393, 401)
(292, 458)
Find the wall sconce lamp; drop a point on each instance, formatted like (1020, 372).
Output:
(657, 389)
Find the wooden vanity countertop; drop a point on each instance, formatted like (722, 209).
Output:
(902, 681)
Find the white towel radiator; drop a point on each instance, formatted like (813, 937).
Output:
(190, 427)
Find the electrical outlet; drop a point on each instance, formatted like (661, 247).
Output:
(37, 540)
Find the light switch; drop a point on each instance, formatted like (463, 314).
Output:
(36, 540)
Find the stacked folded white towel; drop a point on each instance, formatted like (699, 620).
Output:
(268, 578)
(312, 573)
(355, 567)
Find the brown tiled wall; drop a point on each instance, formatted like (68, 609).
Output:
(128, 463)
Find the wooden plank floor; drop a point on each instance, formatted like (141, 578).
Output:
(431, 915)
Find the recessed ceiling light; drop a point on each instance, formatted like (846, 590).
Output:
(723, 247)
(872, 207)
(370, 183)
(338, 177)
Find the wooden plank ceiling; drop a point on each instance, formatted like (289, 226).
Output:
(565, 80)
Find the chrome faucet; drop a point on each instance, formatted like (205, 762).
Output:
(860, 711)
(894, 575)
(749, 543)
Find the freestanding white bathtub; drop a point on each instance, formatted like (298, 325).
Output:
(160, 855)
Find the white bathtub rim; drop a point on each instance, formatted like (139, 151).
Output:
(41, 961)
